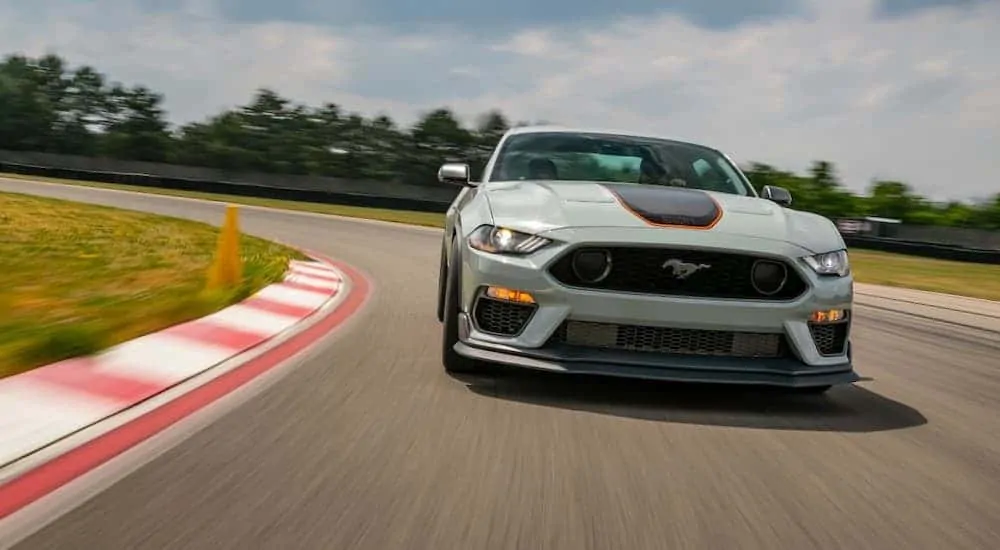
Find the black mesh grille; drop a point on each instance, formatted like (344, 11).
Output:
(641, 269)
(670, 340)
(501, 318)
(830, 339)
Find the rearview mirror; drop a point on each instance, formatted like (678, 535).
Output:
(777, 195)
(455, 173)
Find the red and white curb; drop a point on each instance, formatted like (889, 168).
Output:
(47, 404)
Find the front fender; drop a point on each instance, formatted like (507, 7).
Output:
(467, 217)
(814, 232)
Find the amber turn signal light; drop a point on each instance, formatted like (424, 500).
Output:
(509, 295)
(828, 316)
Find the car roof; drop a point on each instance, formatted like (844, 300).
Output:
(552, 128)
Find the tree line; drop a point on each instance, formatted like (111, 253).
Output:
(46, 106)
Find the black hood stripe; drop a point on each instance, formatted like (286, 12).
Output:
(668, 206)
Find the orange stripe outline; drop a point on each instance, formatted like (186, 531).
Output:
(630, 210)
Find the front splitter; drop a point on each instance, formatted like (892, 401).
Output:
(781, 373)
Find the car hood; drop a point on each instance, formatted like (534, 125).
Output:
(540, 206)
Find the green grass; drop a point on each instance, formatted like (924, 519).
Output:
(979, 281)
(79, 278)
(961, 278)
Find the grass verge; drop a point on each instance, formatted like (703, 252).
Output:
(961, 278)
(79, 278)
(881, 268)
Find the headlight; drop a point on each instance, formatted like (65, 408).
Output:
(500, 240)
(831, 263)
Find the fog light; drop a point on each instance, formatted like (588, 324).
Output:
(591, 266)
(509, 295)
(828, 316)
(767, 277)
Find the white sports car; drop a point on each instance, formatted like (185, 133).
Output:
(626, 255)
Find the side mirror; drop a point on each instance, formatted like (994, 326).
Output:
(778, 195)
(456, 173)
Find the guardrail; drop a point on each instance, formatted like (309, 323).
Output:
(926, 250)
(271, 190)
(438, 203)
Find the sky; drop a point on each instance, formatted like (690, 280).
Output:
(889, 89)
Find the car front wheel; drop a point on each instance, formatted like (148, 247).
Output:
(442, 279)
(453, 362)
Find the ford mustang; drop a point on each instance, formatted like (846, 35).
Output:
(626, 255)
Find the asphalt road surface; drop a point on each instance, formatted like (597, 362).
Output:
(370, 445)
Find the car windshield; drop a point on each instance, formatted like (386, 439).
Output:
(615, 158)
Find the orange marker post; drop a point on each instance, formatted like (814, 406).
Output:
(227, 267)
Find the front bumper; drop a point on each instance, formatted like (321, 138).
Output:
(532, 345)
(676, 368)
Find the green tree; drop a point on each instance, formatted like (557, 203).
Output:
(84, 106)
(436, 138)
(47, 107)
(135, 128)
(824, 175)
(217, 143)
(490, 128)
(27, 113)
(892, 199)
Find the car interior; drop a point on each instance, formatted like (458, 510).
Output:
(583, 158)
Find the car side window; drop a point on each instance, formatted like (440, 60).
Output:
(701, 167)
(710, 177)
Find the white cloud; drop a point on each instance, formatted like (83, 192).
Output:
(915, 98)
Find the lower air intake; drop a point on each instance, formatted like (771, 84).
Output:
(717, 343)
(830, 339)
(500, 317)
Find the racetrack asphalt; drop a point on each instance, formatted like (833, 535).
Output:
(368, 444)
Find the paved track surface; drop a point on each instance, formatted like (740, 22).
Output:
(370, 445)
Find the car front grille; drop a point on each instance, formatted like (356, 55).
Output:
(678, 341)
(642, 270)
(500, 317)
(830, 339)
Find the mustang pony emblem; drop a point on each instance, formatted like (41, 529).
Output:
(681, 269)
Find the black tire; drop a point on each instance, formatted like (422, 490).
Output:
(453, 362)
(442, 277)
